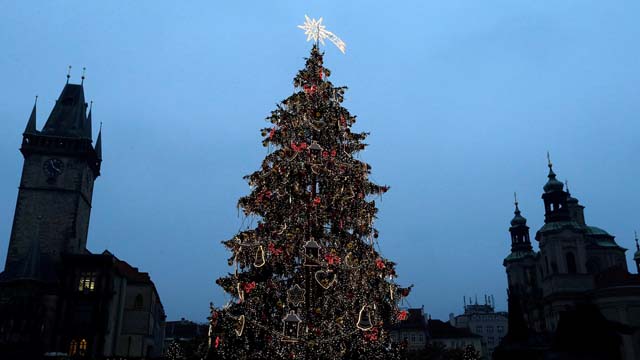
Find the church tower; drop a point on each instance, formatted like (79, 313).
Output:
(520, 262)
(555, 198)
(54, 198)
(520, 241)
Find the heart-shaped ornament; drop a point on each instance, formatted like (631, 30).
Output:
(240, 325)
(325, 278)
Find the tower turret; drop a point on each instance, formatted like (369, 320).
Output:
(555, 198)
(576, 210)
(520, 241)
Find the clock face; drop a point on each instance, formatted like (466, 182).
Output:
(53, 167)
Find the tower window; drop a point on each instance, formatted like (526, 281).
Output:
(73, 347)
(87, 282)
(82, 349)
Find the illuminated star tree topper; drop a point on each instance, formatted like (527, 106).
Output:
(316, 31)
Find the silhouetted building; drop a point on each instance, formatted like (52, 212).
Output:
(483, 320)
(577, 280)
(55, 296)
(453, 337)
(411, 332)
(184, 331)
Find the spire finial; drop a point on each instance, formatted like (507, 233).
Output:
(90, 106)
(31, 123)
(84, 69)
(515, 201)
(566, 184)
(68, 73)
(551, 175)
(636, 236)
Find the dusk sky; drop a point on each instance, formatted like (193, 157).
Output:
(462, 98)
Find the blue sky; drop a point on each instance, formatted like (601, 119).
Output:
(462, 99)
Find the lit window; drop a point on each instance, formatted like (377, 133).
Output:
(87, 281)
(82, 350)
(73, 347)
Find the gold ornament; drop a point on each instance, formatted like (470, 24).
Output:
(260, 259)
(311, 253)
(325, 278)
(240, 325)
(364, 319)
(240, 292)
(295, 295)
(291, 326)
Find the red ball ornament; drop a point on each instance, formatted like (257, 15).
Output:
(248, 287)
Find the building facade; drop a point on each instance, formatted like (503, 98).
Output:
(55, 296)
(453, 337)
(412, 333)
(579, 268)
(184, 331)
(484, 321)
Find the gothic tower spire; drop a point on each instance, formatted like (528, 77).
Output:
(99, 144)
(31, 124)
(69, 115)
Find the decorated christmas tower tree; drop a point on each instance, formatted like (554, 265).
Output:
(307, 280)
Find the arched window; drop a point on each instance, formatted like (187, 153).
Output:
(571, 263)
(138, 302)
(82, 349)
(73, 347)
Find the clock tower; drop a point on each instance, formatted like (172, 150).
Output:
(54, 197)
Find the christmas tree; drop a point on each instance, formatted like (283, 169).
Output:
(308, 282)
(174, 351)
